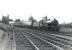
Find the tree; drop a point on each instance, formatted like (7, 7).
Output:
(31, 18)
(17, 20)
(45, 18)
(5, 19)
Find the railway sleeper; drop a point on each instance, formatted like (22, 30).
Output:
(50, 42)
(57, 39)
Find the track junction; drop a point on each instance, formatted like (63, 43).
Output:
(33, 39)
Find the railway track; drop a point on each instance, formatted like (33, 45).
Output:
(30, 42)
(65, 33)
(52, 34)
(22, 43)
(29, 39)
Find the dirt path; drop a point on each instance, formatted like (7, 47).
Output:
(5, 42)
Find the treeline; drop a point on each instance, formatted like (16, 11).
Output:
(68, 25)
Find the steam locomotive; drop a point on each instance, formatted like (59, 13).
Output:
(44, 25)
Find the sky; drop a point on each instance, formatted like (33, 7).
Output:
(23, 9)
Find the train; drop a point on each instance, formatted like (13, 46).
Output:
(44, 25)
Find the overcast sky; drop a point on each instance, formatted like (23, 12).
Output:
(59, 9)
